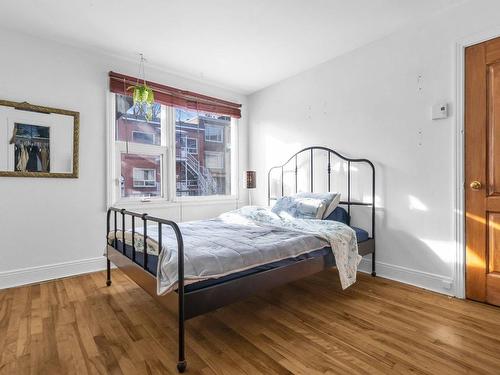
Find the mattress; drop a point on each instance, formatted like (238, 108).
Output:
(361, 236)
(240, 240)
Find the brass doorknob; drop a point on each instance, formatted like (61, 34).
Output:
(475, 185)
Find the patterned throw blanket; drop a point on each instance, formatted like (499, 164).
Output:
(243, 239)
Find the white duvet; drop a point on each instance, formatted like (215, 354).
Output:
(243, 239)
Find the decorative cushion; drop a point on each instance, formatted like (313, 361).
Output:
(303, 205)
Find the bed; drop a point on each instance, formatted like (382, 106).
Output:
(250, 250)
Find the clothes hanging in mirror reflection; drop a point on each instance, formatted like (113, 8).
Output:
(32, 156)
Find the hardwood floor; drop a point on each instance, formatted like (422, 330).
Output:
(77, 325)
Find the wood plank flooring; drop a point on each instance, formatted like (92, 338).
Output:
(79, 326)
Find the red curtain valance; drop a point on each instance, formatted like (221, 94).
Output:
(118, 83)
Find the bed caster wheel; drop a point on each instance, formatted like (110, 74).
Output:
(108, 282)
(374, 274)
(181, 366)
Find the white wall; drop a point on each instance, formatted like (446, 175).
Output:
(55, 227)
(370, 104)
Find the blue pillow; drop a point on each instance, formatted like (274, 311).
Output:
(339, 214)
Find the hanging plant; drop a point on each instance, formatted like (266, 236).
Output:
(143, 97)
(142, 94)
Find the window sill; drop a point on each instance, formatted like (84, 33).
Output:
(191, 201)
(209, 198)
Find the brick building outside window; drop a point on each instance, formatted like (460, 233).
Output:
(202, 152)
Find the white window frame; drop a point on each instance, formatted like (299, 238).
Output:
(116, 148)
(166, 150)
(221, 128)
(141, 132)
(220, 155)
(144, 185)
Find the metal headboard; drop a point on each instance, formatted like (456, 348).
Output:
(349, 202)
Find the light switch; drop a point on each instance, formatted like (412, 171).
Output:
(440, 111)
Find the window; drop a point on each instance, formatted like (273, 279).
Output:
(208, 170)
(140, 176)
(214, 133)
(134, 128)
(177, 153)
(189, 145)
(144, 177)
(192, 145)
(142, 137)
(139, 151)
(214, 160)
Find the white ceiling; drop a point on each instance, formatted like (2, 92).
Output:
(244, 45)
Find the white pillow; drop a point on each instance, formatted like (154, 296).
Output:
(329, 201)
(332, 206)
(303, 205)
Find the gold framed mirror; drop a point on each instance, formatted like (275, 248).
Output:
(37, 141)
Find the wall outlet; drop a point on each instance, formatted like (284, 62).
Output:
(447, 284)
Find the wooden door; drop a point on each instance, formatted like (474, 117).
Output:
(482, 171)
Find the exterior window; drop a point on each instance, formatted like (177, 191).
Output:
(208, 171)
(144, 177)
(139, 152)
(192, 145)
(135, 128)
(177, 153)
(214, 133)
(142, 137)
(189, 145)
(214, 160)
(140, 176)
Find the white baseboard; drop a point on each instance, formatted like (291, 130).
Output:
(9, 279)
(421, 279)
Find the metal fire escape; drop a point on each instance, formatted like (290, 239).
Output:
(205, 181)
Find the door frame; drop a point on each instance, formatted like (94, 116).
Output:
(459, 151)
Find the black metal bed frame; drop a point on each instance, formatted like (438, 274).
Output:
(189, 304)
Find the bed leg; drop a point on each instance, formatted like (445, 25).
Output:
(181, 366)
(373, 265)
(108, 272)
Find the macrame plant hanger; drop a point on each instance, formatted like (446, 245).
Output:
(139, 109)
(125, 119)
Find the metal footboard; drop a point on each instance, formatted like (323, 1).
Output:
(181, 364)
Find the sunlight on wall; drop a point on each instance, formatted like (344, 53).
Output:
(274, 153)
(367, 198)
(416, 204)
(338, 165)
(335, 167)
(277, 150)
(445, 250)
